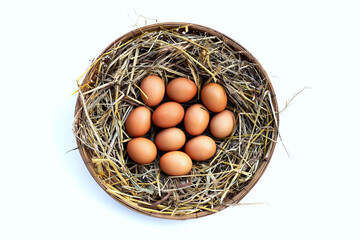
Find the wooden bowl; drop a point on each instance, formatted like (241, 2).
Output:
(86, 154)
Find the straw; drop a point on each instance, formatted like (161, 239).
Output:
(110, 91)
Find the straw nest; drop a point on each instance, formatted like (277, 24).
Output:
(110, 91)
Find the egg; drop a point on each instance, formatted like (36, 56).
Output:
(200, 148)
(138, 122)
(154, 88)
(196, 119)
(170, 139)
(141, 150)
(214, 97)
(175, 163)
(222, 124)
(181, 89)
(168, 114)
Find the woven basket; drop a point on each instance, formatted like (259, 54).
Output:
(86, 154)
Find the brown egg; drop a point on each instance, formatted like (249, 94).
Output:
(170, 139)
(214, 97)
(200, 148)
(222, 124)
(154, 88)
(196, 119)
(181, 89)
(138, 122)
(141, 150)
(175, 163)
(168, 114)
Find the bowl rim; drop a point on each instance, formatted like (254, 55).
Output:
(86, 156)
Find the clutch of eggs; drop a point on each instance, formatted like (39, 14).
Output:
(177, 152)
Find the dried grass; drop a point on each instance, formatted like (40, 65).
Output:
(111, 91)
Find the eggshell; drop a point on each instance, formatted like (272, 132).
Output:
(154, 88)
(138, 122)
(200, 148)
(181, 89)
(214, 97)
(170, 139)
(175, 163)
(168, 114)
(141, 150)
(222, 124)
(196, 119)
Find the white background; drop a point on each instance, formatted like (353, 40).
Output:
(313, 194)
